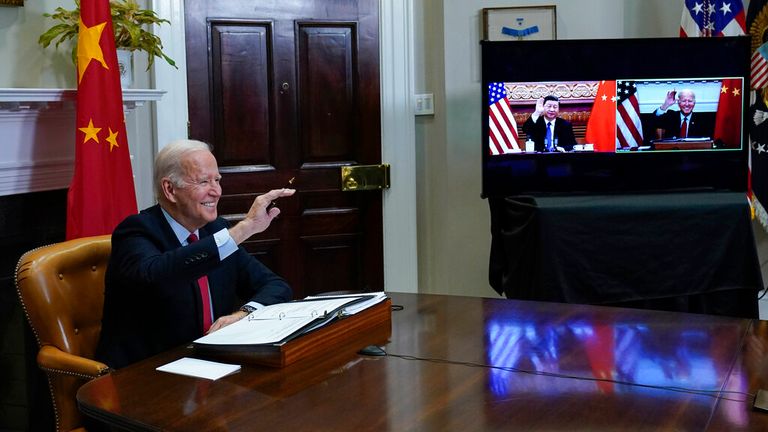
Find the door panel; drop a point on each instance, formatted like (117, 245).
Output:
(327, 91)
(292, 91)
(241, 102)
(326, 252)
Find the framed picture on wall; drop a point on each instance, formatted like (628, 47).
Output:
(520, 23)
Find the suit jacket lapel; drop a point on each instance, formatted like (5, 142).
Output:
(169, 237)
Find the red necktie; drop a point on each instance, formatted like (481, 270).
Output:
(684, 128)
(203, 284)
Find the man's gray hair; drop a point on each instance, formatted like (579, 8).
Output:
(686, 91)
(168, 162)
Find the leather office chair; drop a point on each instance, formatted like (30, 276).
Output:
(61, 288)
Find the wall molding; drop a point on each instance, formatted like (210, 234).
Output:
(15, 99)
(398, 145)
(38, 126)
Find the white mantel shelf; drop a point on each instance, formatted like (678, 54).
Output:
(38, 130)
(15, 99)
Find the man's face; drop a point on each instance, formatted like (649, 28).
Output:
(194, 204)
(686, 102)
(551, 108)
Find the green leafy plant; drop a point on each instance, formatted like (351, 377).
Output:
(128, 21)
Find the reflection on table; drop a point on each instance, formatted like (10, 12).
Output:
(458, 363)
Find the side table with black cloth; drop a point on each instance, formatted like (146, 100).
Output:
(689, 252)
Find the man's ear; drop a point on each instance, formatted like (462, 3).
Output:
(169, 190)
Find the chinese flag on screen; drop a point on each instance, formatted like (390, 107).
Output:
(601, 127)
(728, 120)
(101, 193)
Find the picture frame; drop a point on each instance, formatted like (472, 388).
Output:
(11, 2)
(520, 23)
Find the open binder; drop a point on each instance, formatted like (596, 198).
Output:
(279, 334)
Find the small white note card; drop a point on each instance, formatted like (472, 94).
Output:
(199, 368)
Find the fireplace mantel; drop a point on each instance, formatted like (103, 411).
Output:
(16, 99)
(37, 130)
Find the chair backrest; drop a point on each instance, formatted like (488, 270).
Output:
(61, 289)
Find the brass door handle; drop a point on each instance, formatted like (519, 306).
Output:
(364, 177)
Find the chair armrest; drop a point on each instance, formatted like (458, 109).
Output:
(52, 359)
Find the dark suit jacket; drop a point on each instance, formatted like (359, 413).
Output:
(152, 301)
(700, 125)
(563, 133)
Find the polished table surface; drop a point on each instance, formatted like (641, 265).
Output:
(461, 363)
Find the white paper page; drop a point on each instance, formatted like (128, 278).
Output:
(249, 332)
(273, 323)
(199, 368)
(375, 298)
(363, 305)
(299, 309)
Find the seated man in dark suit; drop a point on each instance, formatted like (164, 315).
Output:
(683, 123)
(176, 270)
(548, 132)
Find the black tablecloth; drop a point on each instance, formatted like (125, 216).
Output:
(691, 252)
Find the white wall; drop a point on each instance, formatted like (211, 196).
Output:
(653, 18)
(454, 222)
(26, 64)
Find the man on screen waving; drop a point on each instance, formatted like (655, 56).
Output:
(683, 123)
(549, 132)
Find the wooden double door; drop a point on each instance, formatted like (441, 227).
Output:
(290, 90)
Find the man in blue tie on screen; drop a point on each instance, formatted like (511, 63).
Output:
(549, 132)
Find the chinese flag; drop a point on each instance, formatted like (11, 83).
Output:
(101, 193)
(728, 118)
(600, 347)
(601, 127)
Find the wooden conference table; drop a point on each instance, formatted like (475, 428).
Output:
(552, 369)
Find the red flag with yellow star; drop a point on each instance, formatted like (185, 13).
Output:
(601, 126)
(728, 119)
(101, 193)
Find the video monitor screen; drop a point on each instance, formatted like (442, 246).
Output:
(615, 115)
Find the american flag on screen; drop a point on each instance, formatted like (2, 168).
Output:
(502, 125)
(629, 128)
(713, 18)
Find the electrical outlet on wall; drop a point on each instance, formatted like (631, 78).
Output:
(424, 104)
